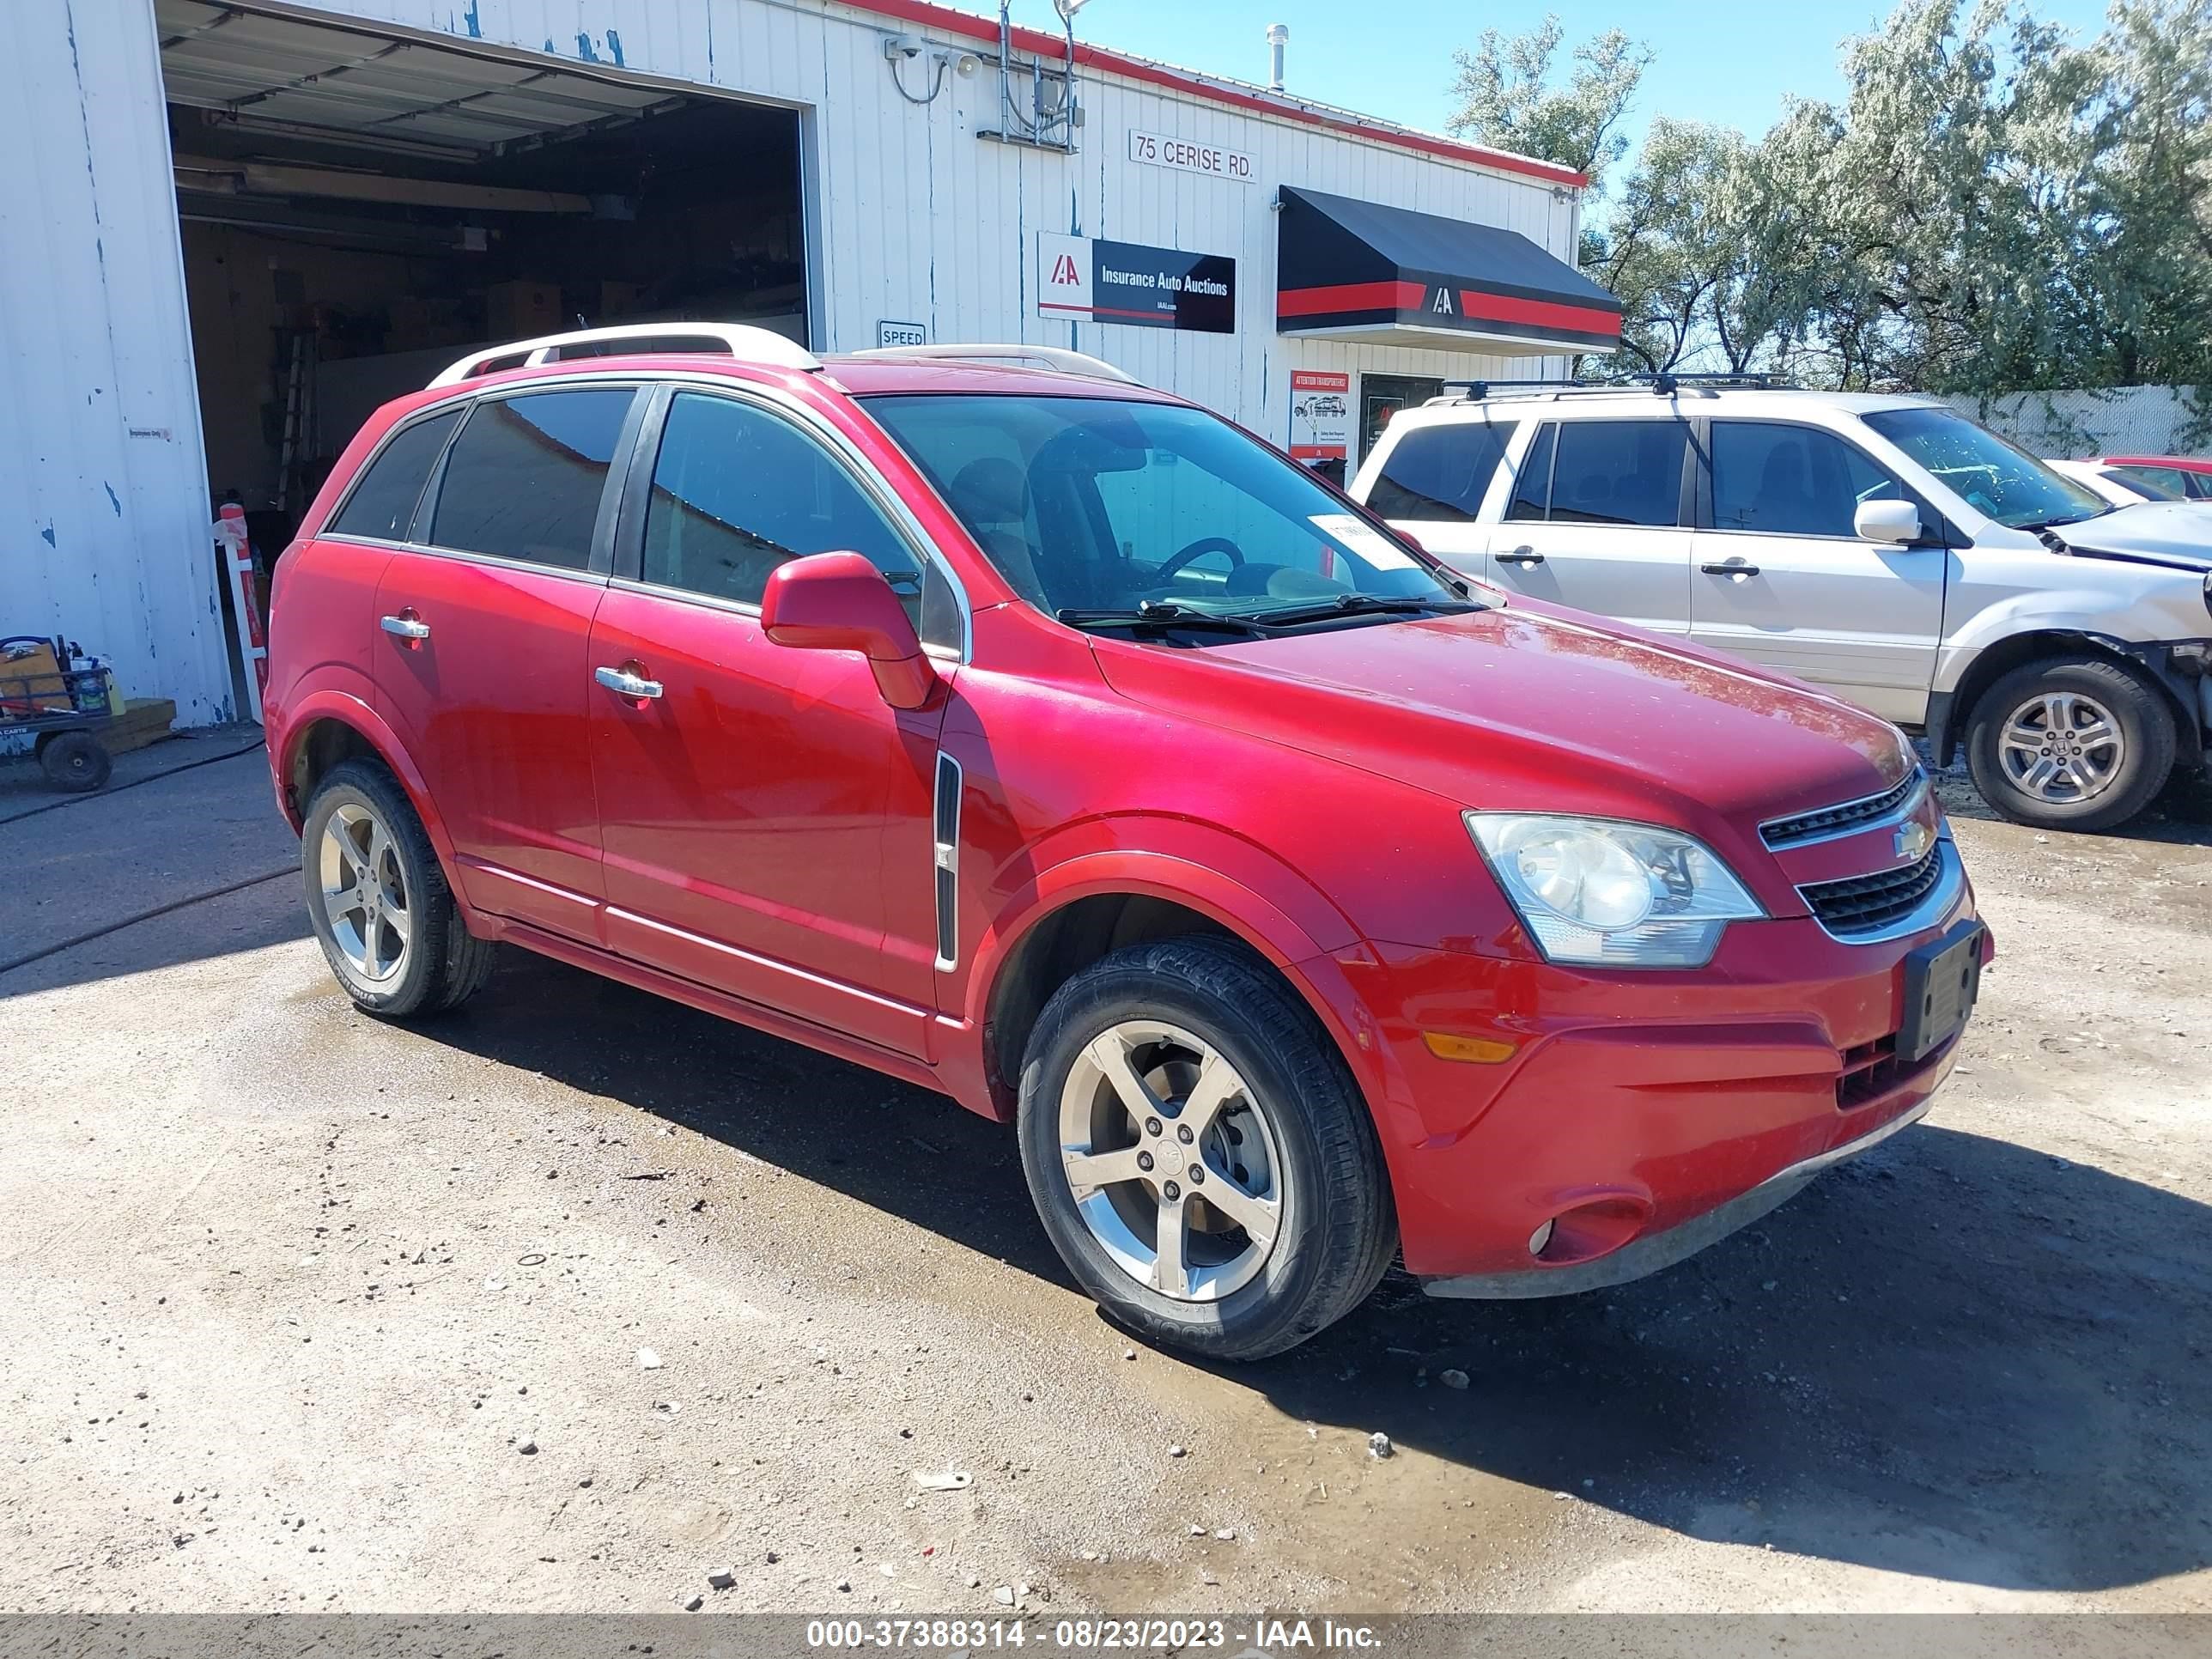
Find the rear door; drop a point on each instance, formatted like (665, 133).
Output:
(1785, 579)
(329, 585)
(1435, 479)
(1594, 518)
(483, 632)
(766, 816)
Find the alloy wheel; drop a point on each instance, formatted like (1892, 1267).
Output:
(1171, 1160)
(365, 897)
(2062, 747)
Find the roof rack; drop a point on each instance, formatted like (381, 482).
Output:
(741, 340)
(1660, 385)
(1031, 356)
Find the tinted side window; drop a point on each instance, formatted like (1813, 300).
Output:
(1791, 480)
(1440, 473)
(525, 477)
(737, 490)
(382, 504)
(1532, 487)
(1619, 472)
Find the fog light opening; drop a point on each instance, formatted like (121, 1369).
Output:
(1595, 1227)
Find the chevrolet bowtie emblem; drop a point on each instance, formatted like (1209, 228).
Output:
(1913, 841)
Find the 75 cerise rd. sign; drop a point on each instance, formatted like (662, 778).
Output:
(1160, 150)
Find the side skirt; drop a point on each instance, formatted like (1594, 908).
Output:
(760, 1018)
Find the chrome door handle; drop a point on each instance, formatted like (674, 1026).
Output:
(1734, 569)
(405, 626)
(625, 683)
(1523, 557)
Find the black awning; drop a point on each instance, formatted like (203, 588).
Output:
(1392, 276)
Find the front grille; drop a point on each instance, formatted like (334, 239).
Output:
(1834, 820)
(1860, 905)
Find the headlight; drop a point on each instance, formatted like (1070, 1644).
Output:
(1611, 895)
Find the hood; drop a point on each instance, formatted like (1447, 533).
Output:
(2179, 534)
(1533, 708)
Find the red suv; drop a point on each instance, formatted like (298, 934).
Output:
(1052, 743)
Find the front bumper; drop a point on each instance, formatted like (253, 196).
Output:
(1653, 1251)
(1639, 1116)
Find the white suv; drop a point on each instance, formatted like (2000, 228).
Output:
(1886, 548)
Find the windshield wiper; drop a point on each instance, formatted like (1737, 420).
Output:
(1161, 613)
(1359, 605)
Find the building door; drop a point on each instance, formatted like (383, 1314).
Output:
(1382, 396)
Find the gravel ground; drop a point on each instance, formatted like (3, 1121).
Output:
(577, 1298)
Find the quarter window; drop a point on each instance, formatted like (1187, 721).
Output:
(1781, 480)
(1619, 472)
(524, 478)
(382, 505)
(1440, 473)
(737, 490)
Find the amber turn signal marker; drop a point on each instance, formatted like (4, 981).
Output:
(1483, 1051)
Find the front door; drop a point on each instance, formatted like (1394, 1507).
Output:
(1595, 520)
(765, 815)
(1785, 579)
(480, 653)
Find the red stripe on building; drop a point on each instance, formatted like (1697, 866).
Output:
(1051, 46)
(1539, 314)
(1350, 296)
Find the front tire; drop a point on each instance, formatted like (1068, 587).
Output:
(2070, 743)
(379, 900)
(1199, 1152)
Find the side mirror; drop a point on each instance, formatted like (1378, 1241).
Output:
(1895, 522)
(841, 602)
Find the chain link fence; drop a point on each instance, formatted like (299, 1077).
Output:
(2137, 420)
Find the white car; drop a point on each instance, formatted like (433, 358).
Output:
(1885, 548)
(2108, 483)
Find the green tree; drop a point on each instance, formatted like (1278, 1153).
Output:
(1508, 99)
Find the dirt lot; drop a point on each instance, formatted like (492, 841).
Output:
(300, 1311)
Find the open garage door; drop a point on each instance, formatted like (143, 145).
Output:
(359, 206)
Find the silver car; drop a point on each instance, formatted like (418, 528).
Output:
(1885, 548)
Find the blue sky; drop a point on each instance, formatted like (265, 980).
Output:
(1720, 60)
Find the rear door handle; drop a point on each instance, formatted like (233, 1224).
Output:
(407, 625)
(621, 682)
(1523, 557)
(1734, 569)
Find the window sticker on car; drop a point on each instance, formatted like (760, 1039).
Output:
(1369, 543)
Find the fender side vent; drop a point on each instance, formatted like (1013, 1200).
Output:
(946, 860)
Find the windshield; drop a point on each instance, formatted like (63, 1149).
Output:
(1089, 504)
(1993, 477)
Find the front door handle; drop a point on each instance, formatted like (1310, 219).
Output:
(1734, 569)
(1523, 557)
(622, 683)
(407, 625)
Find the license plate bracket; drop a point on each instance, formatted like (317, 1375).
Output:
(1941, 981)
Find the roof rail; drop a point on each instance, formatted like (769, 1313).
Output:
(741, 340)
(1033, 356)
(1660, 385)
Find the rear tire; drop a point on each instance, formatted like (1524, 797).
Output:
(1261, 1151)
(76, 761)
(379, 900)
(2070, 743)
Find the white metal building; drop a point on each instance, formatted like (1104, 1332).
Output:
(232, 227)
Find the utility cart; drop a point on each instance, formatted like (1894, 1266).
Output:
(59, 712)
